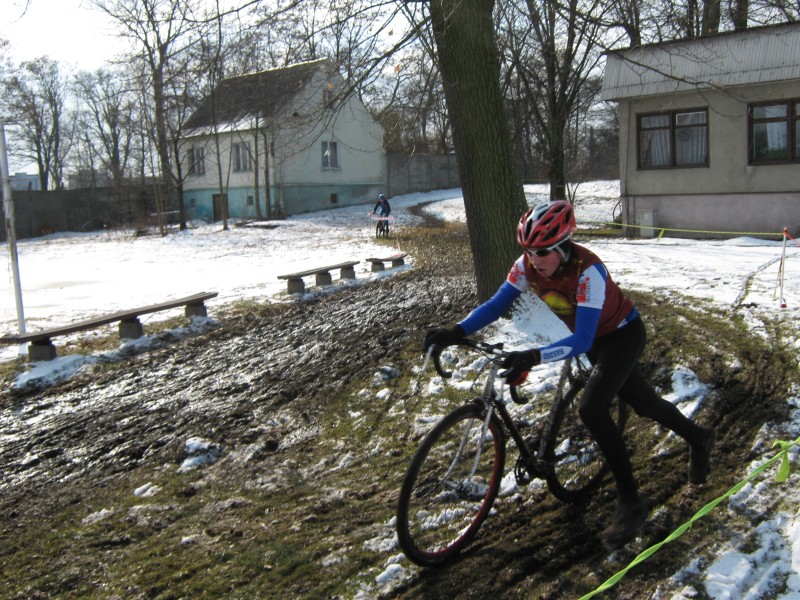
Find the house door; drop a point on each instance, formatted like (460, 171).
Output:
(220, 207)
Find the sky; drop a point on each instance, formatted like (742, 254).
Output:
(70, 277)
(70, 31)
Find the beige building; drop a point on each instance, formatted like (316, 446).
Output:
(295, 131)
(710, 133)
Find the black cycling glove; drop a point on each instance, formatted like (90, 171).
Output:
(442, 336)
(517, 364)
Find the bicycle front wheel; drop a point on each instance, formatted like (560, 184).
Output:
(577, 464)
(450, 486)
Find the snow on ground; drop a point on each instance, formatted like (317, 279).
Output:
(70, 277)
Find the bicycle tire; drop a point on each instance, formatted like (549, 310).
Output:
(444, 499)
(577, 464)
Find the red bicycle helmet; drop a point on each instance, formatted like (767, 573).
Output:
(546, 225)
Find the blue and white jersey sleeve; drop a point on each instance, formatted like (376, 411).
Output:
(590, 295)
(491, 310)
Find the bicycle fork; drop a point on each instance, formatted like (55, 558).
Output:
(487, 401)
(466, 484)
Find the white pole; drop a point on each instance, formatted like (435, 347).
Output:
(11, 231)
(783, 266)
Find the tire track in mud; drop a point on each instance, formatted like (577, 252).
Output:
(219, 384)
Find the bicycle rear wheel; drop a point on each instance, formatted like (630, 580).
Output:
(450, 486)
(578, 465)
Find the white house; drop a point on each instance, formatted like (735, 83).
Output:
(710, 132)
(294, 131)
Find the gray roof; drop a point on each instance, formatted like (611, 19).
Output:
(263, 93)
(763, 55)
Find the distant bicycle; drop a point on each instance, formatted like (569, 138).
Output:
(382, 224)
(382, 228)
(455, 475)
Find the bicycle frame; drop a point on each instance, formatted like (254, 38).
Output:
(536, 466)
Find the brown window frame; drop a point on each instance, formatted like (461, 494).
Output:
(792, 121)
(673, 128)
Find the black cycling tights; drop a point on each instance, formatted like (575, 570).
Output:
(615, 358)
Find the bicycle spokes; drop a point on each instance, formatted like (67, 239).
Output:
(450, 486)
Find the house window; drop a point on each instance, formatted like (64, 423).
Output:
(775, 132)
(242, 159)
(334, 199)
(196, 159)
(330, 156)
(250, 201)
(675, 139)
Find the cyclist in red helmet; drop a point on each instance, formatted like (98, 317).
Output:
(604, 325)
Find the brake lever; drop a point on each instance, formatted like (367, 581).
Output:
(433, 352)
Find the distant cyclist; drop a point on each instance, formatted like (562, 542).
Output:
(606, 326)
(384, 210)
(383, 206)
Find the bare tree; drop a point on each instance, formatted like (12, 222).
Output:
(409, 102)
(159, 28)
(36, 97)
(106, 117)
(552, 49)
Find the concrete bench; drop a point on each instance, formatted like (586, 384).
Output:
(40, 342)
(377, 264)
(323, 276)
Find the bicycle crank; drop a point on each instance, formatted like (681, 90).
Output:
(521, 472)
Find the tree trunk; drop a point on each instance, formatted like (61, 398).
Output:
(493, 194)
(711, 17)
(557, 173)
(739, 13)
(256, 162)
(179, 184)
(267, 180)
(162, 147)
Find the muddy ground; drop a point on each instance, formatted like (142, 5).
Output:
(283, 514)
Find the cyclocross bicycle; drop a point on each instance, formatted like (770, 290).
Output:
(455, 475)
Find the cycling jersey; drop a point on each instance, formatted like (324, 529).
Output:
(582, 294)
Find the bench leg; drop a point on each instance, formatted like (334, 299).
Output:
(398, 262)
(376, 266)
(131, 329)
(41, 350)
(296, 286)
(347, 273)
(196, 310)
(323, 279)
